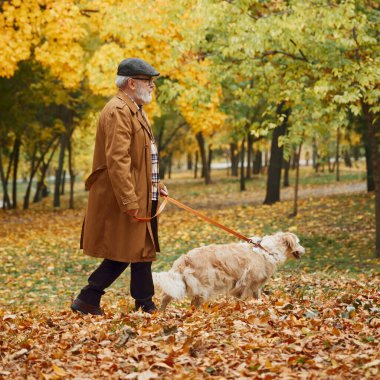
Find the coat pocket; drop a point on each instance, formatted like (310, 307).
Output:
(93, 176)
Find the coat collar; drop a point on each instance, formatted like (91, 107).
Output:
(130, 103)
(135, 110)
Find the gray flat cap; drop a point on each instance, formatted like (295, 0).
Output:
(135, 66)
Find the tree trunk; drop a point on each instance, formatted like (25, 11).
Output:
(286, 182)
(369, 168)
(209, 157)
(162, 167)
(293, 159)
(275, 162)
(189, 161)
(234, 159)
(33, 169)
(59, 171)
(295, 204)
(41, 183)
(337, 154)
(4, 182)
(170, 165)
(258, 162)
(9, 170)
(72, 175)
(356, 152)
(315, 155)
(373, 143)
(2, 176)
(249, 155)
(347, 158)
(242, 158)
(15, 171)
(7, 201)
(201, 143)
(196, 164)
(369, 162)
(63, 182)
(228, 162)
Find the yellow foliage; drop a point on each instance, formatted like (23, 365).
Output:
(204, 117)
(146, 30)
(61, 51)
(200, 99)
(102, 68)
(18, 23)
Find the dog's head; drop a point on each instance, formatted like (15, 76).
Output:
(292, 244)
(285, 244)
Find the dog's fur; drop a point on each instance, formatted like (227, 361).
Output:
(239, 269)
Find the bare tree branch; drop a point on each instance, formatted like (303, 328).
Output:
(86, 12)
(170, 137)
(357, 43)
(274, 52)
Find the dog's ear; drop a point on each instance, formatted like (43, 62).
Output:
(290, 240)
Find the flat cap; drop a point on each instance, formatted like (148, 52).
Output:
(135, 66)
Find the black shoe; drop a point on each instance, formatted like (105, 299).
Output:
(85, 308)
(151, 309)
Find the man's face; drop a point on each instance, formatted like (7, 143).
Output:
(143, 87)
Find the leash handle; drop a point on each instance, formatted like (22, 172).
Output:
(159, 211)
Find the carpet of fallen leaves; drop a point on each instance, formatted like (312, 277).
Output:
(317, 320)
(298, 330)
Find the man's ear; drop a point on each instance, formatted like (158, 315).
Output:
(130, 84)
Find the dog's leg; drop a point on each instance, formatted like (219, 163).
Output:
(240, 289)
(197, 301)
(251, 291)
(256, 290)
(165, 302)
(236, 293)
(246, 294)
(256, 293)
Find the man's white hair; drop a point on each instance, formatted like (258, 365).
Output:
(121, 81)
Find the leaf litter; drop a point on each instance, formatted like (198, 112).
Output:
(287, 334)
(316, 321)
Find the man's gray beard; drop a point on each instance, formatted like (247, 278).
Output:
(143, 95)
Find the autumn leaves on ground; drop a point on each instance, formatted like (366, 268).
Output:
(319, 318)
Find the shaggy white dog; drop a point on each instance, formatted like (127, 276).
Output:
(241, 269)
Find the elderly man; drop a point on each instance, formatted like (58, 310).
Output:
(124, 183)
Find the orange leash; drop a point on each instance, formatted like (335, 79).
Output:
(196, 213)
(159, 211)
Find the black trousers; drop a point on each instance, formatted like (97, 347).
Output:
(141, 285)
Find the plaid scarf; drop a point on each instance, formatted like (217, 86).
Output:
(155, 170)
(154, 152)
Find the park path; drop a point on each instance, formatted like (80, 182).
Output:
(216, 201)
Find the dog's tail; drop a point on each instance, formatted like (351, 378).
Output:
(171, 283)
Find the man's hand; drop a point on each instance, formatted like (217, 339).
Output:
(132, 212)
(164, 192)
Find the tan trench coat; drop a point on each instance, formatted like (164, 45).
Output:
(120, 180)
